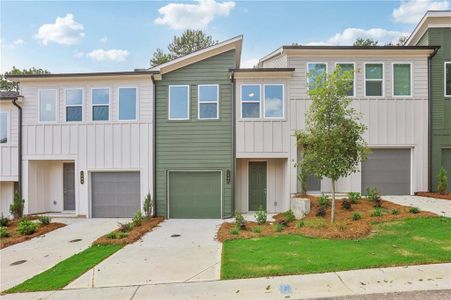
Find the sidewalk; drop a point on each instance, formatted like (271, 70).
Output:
(357, 282)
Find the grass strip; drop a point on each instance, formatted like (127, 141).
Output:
(66, 271)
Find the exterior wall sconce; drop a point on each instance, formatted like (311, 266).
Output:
(228, 175)
(82, 177)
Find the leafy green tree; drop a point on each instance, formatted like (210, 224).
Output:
(442, 185)
(365, 42)
(6, 85)
(401, 41)
(188, 42)
(333, 135)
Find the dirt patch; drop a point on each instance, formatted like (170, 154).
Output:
(15, 237)
(343, 228)
(434, 195)
(133, 235)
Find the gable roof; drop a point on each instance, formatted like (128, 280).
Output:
(431, 19)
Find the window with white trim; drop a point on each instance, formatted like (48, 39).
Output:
(208, 100)
(274, 101)
(74, 105)
(4, 127)
(47, 105)
(250, 101)
(447, 79)
(127, 103)
(100, 98)
(315, 70)
(178, 102)
(348, 67)
(374, 79)
(402, 85)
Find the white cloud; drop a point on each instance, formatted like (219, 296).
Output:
(250, 63)
(104, 39)
(78, 54)
(181, 16)
(411, 11)
(108, 55)
(65, 31)
(349, 35)
(13, 45)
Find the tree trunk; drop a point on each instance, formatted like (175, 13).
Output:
(332, 210)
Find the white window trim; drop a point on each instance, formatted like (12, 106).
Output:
(199, 102)
(365, 80)
(8, 128)
(307, 69)
(283, 101)
(354, 89)
(251, 101)
(109, 104)
(393, 79)
(169, 103)
(444, 78)
(56, 106)
(82, 104)
(119, 104)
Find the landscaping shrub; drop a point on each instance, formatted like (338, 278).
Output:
(346, 204)
(239, 220)
(289, 216)
(302, 178)
(414, 210)
(300, 224)
(442, 185)
(315, 223)
(44, 220)
(16, 208)
(111, 235)
(125, 227)
(235, 230)
(4, 221)
(260, 216)
(356, 216)
(324, 201)
(321, 212)
(122, 235)
(372, 193)
(26, 227)
(277, 227)
(138, 218)
(395, 212)
(147, 206)
(378, 202)
(257, 229)
(377, 212)
(4, 232)
(354, 197)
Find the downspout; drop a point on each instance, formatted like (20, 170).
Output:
(232, 78)
(154, 155)
(430, 118)
(19, 145)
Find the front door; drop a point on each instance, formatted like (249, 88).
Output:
(257, 185)
(69, 186)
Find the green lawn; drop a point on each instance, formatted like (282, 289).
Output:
(411, 241)
(67, 270)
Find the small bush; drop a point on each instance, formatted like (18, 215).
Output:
(300, 224)
(414, 210)
(45, 220)
(277, 227)
(16, 208)
(346, 204)
(125, 227)
(321, 212)
(442, 185)
(324, 201)
(147, 206)
(26, 227)
(137, 218)
(395, 212)
(260, 216)
(122, 235)
(257, 229)
(378, 202)
(235, 230)
(372, 193)
(356, 216)
(377, 212)
(4, 232)
(4, 221)
(289, 216)
(239, 220)
(315, 223)
(354, 197)
(111, 235)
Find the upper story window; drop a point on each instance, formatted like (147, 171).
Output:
(447, 79)
(208, 107)
(47, 105)
(250, 101)
(74, 105)
(4, 127)
(127, 103)
(402, 79)
(374, 79)
(274, 101)
(178, 102)
(315, 70)
(348, 67)
(100, 98)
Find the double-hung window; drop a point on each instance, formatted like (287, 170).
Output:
(127, 104)
(447, 79)
(402, 79)
(208, 102)
(348, 67)
(4, 127)
(250, 101)
(100, 104)
(274, 101)
(316, 72)
(47, 105)
(178, 102)
(374, 79)
(74, 105)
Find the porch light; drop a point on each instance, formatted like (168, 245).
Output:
(228, 176)
(82, 177)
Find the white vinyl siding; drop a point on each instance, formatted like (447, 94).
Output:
(100, 98)
(127, 103)
(402, 79)
(178, 102)
(74, 105)
(250, 101)
(48, 105)
(208, 102)
(374, 80)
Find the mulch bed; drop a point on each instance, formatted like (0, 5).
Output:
(148, 224)
(434, 195)
(343, 228)
(16, 237)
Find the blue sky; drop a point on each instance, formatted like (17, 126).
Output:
(82, 36)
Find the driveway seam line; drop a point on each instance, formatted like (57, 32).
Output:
(342, 281)
(202, 271)
(134, 293)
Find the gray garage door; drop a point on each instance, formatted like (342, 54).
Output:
(388, 170)
(115, 194)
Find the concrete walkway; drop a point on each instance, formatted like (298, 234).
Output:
(358, 282)
(440, 207)
(177, 251)
(43, 252)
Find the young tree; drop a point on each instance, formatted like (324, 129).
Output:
(333, 136)
(188, 42)
(6, 85)
(365, 42)
(442, 185)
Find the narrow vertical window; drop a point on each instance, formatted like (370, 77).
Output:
(402, 85)
(348, 67)
(4, 127)
(315, 71)
(274, 101)
(74, 105)
(178, 102)
(208, 101)
(374, 80)
(448, 79)
(127, 104)
(100, 104)
(47, 105)
(250, 101)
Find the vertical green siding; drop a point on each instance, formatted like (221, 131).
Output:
(195, 144)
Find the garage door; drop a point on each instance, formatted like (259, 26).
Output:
(195, 195)
(115, 194)
(388, 170)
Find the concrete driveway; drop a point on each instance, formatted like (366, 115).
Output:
(43, 252)
(440, 207)
(162, 257)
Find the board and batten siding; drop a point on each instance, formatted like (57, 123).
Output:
(9, 151)
(94, 146)
(195, 144)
